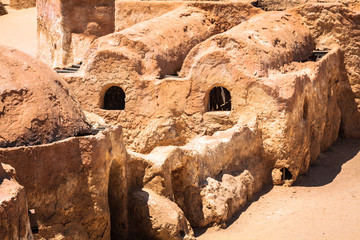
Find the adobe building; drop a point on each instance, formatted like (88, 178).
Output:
(71, 27)
(61, 161)
(14, 223)
(215, 100)
(164, 98)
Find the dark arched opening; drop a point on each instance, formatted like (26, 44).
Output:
(114, 99)
(286, 174)
(219, 99)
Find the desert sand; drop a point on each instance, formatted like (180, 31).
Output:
(18, 30)
(321, 205)
(324, 204)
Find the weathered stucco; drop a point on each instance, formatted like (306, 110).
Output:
(20, 4)
(184, 164)
(14, 219)
(123, 58)
(66, 182)
(63, 24)
(61, 161)
(331, 25)
(36, 105)
(285, 110)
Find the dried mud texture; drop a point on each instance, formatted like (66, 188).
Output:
(14, 218)
(180, 30)
(74, 23)
(186, 180)
(36, 106)
(20, 4)
(332, 25)
(2, 9)
(69, 23)
(155, 217)
(66, 182)
(129, 13)
(144, 49)
(154, 107)
(284, 112)
(295, 103)
(279, 40)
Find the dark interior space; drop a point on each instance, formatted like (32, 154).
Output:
(114, 99)
(219, 99)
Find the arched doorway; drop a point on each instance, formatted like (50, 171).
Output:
(114, 99)
(219, 99)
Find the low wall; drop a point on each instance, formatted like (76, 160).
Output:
(66, 182)
(14, 218)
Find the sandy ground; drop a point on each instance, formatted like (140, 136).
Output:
(324, 204)
(18, 29)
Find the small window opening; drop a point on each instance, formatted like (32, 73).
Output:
(114, 99)
(182, 233)
(33, 221)
(219, 99)
(305, 110)
(286, 174)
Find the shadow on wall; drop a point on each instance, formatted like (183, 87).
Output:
(328, 164)
(139, 215)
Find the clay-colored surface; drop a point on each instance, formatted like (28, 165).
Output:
(332, 25)
(128, 13)
(66, 182)
(69, 21)
(322, 205)
(20, 4)
(154, 107)
(272, 85)
(284, 113)
(14, 219)
(155, 217)
(194, 174)
(36, 106)
(291, 105)
(296, 99)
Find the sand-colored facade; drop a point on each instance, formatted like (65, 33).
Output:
(62, 163)
(14, 223)
(216, 100)
(294, 106)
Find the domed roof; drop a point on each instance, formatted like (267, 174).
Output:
(35, 104)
